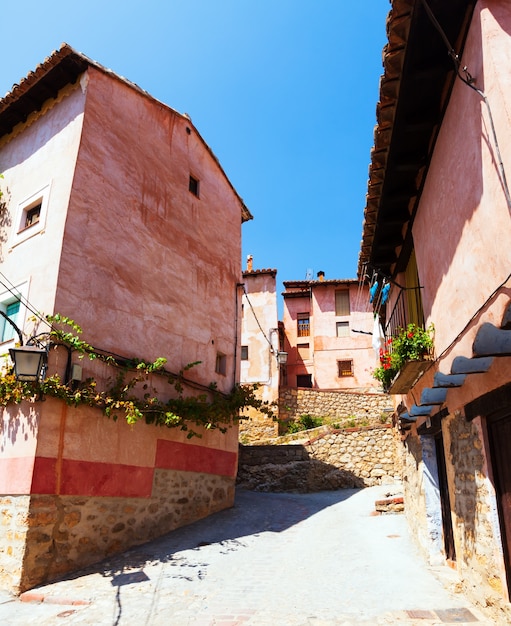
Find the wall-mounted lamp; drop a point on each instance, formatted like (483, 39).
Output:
(281, 358)
(29, 362)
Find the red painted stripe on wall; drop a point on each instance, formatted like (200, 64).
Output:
(44, 479)
(16, 475)
(106, 479)
(86, 478)
(191, 458)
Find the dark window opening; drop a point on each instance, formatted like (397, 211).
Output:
(193, 186)
(304, 380)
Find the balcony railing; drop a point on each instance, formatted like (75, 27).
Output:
(407, 310)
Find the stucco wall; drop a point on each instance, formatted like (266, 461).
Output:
(259, 333)
(96, 486)
(39, 156)
(462, 226)
(149, 269)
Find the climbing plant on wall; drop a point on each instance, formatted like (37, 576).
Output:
(132, 395)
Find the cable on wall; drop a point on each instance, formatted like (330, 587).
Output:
(256, 319)
(468, 80)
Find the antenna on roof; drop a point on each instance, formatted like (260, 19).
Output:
(308, 274)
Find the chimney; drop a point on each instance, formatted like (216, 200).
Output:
(249, 262)
(321, 276)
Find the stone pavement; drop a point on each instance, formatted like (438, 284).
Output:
(320, 559)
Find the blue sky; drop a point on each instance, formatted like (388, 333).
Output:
(283, 91)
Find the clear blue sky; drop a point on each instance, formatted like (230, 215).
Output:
(283, 91)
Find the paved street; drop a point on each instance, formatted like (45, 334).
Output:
(319, 559)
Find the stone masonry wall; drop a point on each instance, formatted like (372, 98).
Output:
(66, 533)
(476, 527)
(333, 404)
(354, 457)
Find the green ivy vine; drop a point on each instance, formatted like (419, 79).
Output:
(210, 409)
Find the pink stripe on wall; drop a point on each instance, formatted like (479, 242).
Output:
(16, 475)
(191, 458)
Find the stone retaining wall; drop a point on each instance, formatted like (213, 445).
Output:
(332, 404)
(354, 457)
(45, 536)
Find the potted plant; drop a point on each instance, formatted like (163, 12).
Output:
(404, 358)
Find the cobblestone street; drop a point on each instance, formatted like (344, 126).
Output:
(321, 559)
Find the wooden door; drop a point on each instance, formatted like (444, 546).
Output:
(499, 434)
(445, 503)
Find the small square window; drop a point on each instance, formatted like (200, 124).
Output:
(244, 353)
(221, 364)
(345, 368)
(193, 186)
(342, 329)
(31, 216)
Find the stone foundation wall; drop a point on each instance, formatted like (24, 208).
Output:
(476, 527)
(332, 404)
(354, 457)
(58, 534)
(474, 510)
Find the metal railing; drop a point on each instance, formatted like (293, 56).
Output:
(407, 310)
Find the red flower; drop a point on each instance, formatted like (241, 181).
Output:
(410, 335)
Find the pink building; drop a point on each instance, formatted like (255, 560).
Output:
(328, 326)
(437, 228)
(117, 214)
(260, 348)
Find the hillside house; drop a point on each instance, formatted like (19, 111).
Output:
(260, 348)
(117, 214)
(437, 226)
(327, 330)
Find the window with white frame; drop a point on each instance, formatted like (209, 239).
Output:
(12, 307)
(31, 215)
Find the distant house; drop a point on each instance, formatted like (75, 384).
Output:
(118, 215)
(328, 326)
(437, 228)
(260, 347)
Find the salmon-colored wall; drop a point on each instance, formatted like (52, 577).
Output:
(148, 269)
(260, 333)
(50, 448)
(463, 226)
(325, 348)
(41, 154)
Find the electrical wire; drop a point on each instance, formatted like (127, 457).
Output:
(462, 332)
(470, 82)
(256, 319)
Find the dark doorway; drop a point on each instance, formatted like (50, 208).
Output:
(445, 503)
(499, 435)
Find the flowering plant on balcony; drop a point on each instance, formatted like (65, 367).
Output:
(412, 343)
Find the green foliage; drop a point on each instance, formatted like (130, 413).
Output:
(412, 343)
(129, 396)
(304, 422)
